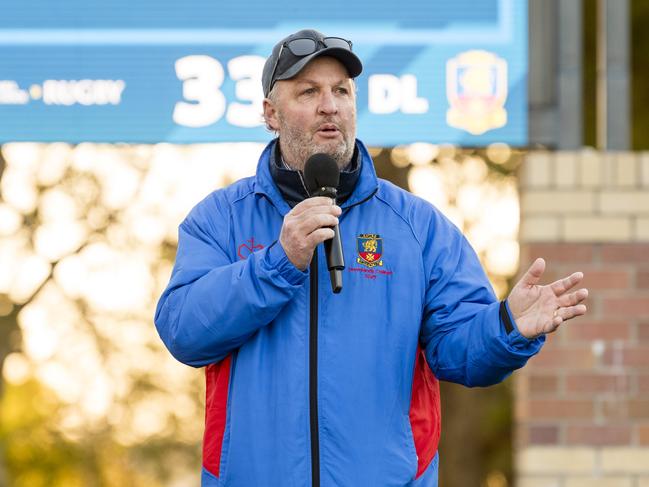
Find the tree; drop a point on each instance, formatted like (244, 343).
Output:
(89, 236)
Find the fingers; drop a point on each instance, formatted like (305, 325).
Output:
(543, 308)
(534, 273)
(311, 214)
(563, 285)
(305, 226)
(309, 221)
(564, 314)
(310, 203)
(318, 236)
(571, 305)
(573, 299)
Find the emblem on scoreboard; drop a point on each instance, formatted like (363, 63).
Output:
(370, 249)
(476, 88)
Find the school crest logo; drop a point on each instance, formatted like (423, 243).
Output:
(370, 249)
(476, 88)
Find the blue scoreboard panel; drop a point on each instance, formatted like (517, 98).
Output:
(183, 72)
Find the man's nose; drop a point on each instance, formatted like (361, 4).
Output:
(328, 103)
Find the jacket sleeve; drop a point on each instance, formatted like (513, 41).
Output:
(212, 305)
(464, 338)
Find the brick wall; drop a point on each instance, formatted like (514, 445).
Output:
(582, 405)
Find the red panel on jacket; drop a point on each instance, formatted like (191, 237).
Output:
(217, 378)
(425, 412)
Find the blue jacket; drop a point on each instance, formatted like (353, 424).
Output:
(341, 391)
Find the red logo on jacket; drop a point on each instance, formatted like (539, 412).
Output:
(245, 250)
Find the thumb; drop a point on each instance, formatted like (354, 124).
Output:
(534, 273)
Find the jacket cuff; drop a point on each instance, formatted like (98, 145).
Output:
(277, 259)
(505, 317)
(514, 337)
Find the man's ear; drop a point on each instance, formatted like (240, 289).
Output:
(270, 115)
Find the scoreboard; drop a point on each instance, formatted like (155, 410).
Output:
(184, 72)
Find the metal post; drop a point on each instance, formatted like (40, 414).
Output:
(570, 122)
(613, 100)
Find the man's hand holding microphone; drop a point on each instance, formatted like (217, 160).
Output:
(315, 220)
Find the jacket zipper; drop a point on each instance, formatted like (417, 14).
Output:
(313, 362)
(313, 371)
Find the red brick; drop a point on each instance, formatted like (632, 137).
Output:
(560, 409)
(642, 279)
(639, 409)
(543, 435)
(592, 383)
(643, 434)
(627, 306)
(635, 253)
(561, 252)
(606, 279)
(589, 329)
(560, 358)
(643, 331)
(616, 408)
(542, 384)
(626, 409)
(521, 384)
(552, 342)
(521, 408)
(594, 435)
(627, 356)
(643, 384)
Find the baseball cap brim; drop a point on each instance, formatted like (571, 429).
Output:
(348, 59)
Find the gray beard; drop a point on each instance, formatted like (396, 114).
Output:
(296, 148)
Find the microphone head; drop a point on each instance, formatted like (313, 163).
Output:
(321, 171)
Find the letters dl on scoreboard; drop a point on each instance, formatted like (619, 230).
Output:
(465, 97)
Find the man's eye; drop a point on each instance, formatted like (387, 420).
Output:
(342, 91)
(308, 91)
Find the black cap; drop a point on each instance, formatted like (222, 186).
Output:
(290, 64)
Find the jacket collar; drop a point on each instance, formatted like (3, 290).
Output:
(366, 184)
(292, 185)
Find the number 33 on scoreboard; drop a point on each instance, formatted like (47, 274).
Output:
(202, 77)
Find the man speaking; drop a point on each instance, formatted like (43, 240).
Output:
(308, 387)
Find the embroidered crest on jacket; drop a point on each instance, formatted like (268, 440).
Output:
(370, 249)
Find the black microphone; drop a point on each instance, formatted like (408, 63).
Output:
(321, 176)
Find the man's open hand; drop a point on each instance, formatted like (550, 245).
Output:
(541, 309)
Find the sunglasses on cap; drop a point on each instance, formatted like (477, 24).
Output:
(304, 46)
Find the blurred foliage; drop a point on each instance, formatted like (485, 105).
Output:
(90, 395)
(38, 455)
(476, 435)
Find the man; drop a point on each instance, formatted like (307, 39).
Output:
(306, 387)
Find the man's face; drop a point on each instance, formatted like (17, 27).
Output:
(315, 112)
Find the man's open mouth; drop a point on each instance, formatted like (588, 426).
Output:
(328, 128)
